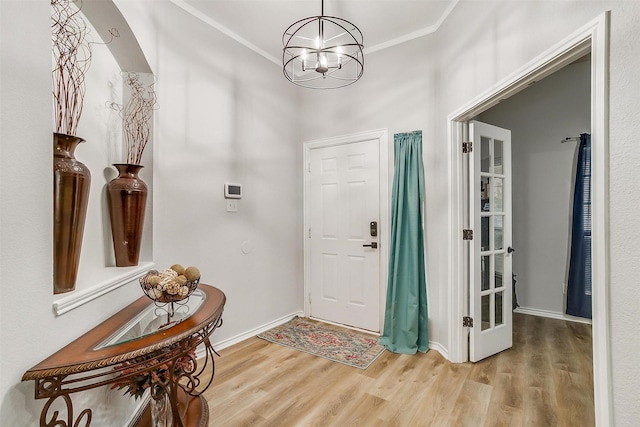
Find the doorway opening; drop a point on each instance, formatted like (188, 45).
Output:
(546, 121)
(591, 39)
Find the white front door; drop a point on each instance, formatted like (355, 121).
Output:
(490, 282)
(344, 230)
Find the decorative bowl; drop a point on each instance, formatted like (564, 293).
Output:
(166, 289)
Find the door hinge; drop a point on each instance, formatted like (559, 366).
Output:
(309, 298)
(467, 147)
(467, 234)
(467, 322)
(309, 167)
(309, 232)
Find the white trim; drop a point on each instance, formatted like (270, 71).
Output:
(137, 413)
(76, 299)
(246, 43)
(433, 345)
(218, 345)
(416, 34)
(382, 135)
(457, 289)
(551, 315)
(602, 387)
(221, 345)
(594, 38)
(436, 346)
(224, 30)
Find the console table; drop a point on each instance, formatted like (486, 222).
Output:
(142, 341)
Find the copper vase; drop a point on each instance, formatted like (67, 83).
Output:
(127, 196)
(71, 183)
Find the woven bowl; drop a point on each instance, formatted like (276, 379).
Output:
(154, 292)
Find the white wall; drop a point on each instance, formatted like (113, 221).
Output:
(222, 123)
(218, 120)
(539, 118)
(225, 115)
(29, 330)
(486, 41)
(416, 85)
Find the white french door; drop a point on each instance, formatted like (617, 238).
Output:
(344, 233)
(490, 252)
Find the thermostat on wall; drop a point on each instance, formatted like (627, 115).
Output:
(232, 191)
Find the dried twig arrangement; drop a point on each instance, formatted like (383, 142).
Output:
(136, 117)
(72, 57)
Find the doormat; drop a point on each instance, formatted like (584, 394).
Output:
(341, 345)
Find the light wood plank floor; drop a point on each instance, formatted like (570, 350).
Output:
(546, 379)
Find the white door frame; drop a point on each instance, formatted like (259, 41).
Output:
(594, 38)
(382, 135)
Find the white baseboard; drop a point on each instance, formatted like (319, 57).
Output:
(439, 348)
(137, 413)
(551, 314)
(432, 344)
(221, 345)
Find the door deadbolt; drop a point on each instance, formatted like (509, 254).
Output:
(373, 245)
(373, 228)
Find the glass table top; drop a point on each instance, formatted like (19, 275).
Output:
(155, 317)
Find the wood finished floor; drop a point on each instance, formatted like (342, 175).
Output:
(546, 379)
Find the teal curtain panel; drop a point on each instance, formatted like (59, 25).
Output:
(406, 314)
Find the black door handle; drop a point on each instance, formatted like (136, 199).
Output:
(373, 245)
(510, 249)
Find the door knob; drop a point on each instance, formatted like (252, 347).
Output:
(373, 245)
(510, 249)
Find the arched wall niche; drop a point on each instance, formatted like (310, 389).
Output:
(104, 15)
(98, 274)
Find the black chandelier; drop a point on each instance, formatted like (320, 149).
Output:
(322, 52)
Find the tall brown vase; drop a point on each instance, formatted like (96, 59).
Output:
(127, 196)
(71, 183)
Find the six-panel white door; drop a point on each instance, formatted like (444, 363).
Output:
(490, 282)
(344, 201)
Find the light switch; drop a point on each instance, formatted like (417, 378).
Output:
(232, 205)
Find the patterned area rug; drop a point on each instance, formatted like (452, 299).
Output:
(346, 346)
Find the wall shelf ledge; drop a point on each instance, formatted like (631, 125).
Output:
(79, 298)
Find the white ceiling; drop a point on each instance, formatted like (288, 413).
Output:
(259, 24)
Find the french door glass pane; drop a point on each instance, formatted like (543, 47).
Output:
(497, 157)
(486, 312)
(498, 205)
(498, 221)
(485, 191)
(499, 269)
(499, 308)
(484, 238)
(485, 265)
(485, 154)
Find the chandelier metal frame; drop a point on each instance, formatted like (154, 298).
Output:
(332, 59)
